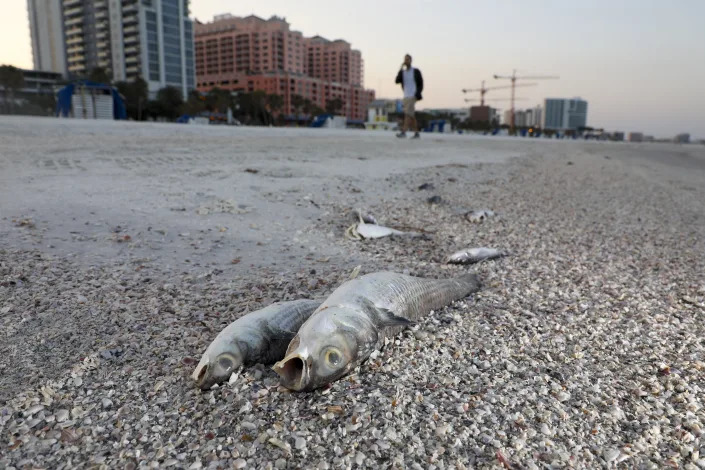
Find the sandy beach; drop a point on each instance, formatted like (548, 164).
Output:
(126, 247)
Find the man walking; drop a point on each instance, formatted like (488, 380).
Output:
(412, 83)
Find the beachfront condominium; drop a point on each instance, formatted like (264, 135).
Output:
(565, 114)
(251, 53)
(152, 39)
(47, 34)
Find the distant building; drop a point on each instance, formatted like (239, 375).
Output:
(525, 117)
(35, 83)
(507, 117)
(534, 117)
(38, 82)
(636, 137)
(151, 39)
(380, 109)
(46, 28)
(484, 114)
(565, 114)
(682, 139)
(251, 53)
(618, 136)
(461, 114)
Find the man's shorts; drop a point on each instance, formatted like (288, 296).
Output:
(409, 106)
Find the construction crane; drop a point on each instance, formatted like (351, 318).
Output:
(474, 100)
(484, 90)
(513, 77)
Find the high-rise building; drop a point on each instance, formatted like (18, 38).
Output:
(47, 31)
(334, 61)
(565, 114)
(525, 117)
(682, 139)
(251, 53)
(152, 39)
(483, 114)
(636, 137)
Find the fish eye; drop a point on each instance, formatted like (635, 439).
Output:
(225, 362)
(333, 357)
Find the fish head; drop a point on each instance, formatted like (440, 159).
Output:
(326, 348)
(220, 360)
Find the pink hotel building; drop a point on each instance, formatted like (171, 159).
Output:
(248, 54)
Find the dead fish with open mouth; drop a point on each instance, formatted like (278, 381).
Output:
(261, 336)
(474, 255)
(353, 321)
(367, 228)
(479, 216)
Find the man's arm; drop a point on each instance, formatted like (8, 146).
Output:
(400, 79)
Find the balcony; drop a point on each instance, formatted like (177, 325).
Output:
(74, 21)
(69, 12)
(74, 31)
(70, 3)
(130, 8)
(76, 49)
(130, 30)
(74, 40)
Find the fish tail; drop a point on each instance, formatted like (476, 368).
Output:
(469, 282)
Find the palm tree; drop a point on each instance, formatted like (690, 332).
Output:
(11, 79)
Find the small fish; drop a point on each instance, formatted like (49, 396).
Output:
(261, 336)
(479, 216)
(474, 255)
(367, 218)
(353, 321)
(362, 230)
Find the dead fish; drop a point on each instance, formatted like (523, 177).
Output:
(474, 255)
(362, 230)
(367, 218)
(353, 321)
(479, 216)
(261, 336)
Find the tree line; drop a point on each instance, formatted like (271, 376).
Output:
(257, 107)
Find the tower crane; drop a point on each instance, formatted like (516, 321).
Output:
(484, 90)
(513, 77)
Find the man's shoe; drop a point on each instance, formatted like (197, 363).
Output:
(416, 136)
(401, 135)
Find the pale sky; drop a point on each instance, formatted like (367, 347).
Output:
(640, 64)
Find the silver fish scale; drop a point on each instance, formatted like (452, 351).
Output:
(407, 296)
(288, 318)
(267, 332)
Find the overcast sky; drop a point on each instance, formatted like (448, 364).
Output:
(640, 64)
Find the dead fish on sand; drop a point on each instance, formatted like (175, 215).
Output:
(479, 216)
(474, 255)
(258, 337)
(367, 218)
(353, 321)
(363, 230)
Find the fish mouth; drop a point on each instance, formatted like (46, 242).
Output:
(293, 372)
(200, 375)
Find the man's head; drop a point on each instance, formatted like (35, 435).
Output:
(407, 61)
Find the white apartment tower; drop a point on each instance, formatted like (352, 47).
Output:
(152, 39)
(565, 114)
(47, 32)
